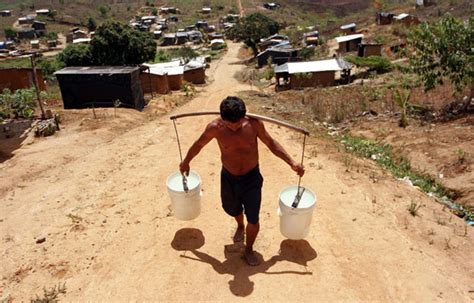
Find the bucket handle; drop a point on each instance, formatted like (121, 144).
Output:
(300, 191)
(185, 180)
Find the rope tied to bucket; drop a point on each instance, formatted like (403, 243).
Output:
(300, 191)
(185, 180)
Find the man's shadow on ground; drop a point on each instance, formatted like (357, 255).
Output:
(296, 251)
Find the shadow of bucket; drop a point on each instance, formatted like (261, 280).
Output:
(295, 222)
(186, 205)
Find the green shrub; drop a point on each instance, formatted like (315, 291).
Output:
(20, 104)
(377, 63)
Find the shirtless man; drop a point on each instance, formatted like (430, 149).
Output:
(241, 181)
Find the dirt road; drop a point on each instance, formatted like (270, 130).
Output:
(96, 193)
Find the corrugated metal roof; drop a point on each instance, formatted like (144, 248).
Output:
(401, 16)
(308, 67)
(219, 41)
(348, 38)
(81, 40)
(346, 26)
(89, 70)
(167, 68)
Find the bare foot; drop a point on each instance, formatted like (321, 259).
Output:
(251, 258)
(239, 234)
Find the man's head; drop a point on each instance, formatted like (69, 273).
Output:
(232, 109)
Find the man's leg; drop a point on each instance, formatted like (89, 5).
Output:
(251, 233)
(240, 232)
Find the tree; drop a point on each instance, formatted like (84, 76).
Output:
(252, 28)
(91, 24)
(76, 55)
(187, 53)
(10, 33)
(103, 11)
(444, 50)
(117, 44)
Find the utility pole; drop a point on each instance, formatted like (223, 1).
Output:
(35, 81)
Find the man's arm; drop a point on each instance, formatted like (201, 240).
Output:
(276, 147)
(208, 134)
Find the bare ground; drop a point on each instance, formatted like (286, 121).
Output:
(96, 192)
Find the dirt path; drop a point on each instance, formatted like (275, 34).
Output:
(98, 196)
(241, 9)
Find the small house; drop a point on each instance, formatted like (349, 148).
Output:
(311, 38)
(5, 13)
(271, 41)
(40, 27)
(231, 18)
(195, 71)
(69, 37)
(169, 39)
(100, 86)
(35, 44)
(310, 74)
(369, 49)
(190, 27)
(173, 10)
(80, 34)
(406, 19)
(206, 10)
(425, 2)
(228, 25)
(349, 43)
(42, 12)
(173, 19)
(10, 44)
(348, 28)
(148, 19)
(157, 34)
(20, 78)
(211, 28)
(277, 55)
(217, 44)
(52, 43)
(26, 33)
(26, 20)
(201, 24)
(154, 82)
(195, 37)
(81, 41)
(382, 18)
(271, 5)
(172, 72)
(212, 36)
(181, 38)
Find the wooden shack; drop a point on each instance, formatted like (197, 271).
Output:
(156, 83)
(100, 86)
(310, 74)
(369, 49)
(349, 43)
(20, 78)
(348, 29)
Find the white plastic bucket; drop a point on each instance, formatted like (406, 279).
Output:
(185, 205)
(295, 222)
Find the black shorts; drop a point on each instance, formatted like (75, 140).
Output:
(242, 193)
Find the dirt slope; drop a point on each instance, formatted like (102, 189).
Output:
(96, 191)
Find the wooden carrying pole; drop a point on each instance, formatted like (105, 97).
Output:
(254, 116)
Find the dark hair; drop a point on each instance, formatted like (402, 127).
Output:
(232, 109)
